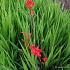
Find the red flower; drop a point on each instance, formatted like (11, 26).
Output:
(30, 4)
(35, 50)
(43, 60)
(32, 12)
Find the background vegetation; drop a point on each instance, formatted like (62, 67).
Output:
(51, 33)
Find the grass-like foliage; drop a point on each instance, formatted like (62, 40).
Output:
(50, 28)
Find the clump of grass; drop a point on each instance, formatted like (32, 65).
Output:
(51, 34)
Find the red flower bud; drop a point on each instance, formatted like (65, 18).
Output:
(43, 60)
(32, 12)
(30, 4)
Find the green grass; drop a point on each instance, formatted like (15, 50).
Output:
(50, 27)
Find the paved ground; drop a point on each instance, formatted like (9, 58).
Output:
(65, 3)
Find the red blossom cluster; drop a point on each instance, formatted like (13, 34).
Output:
(30, 4)
(37, 52)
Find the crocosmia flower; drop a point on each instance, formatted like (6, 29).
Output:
(43, 60)
(32, 12)
(35, 50)
(30, 4)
